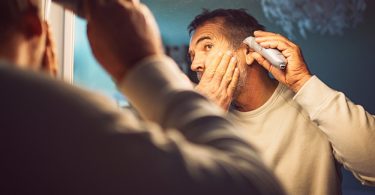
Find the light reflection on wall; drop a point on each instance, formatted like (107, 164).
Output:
(87, 72)
(321, 16)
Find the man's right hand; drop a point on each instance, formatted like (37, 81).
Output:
(121, 33)
(220, 79)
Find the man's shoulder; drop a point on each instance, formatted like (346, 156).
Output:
(45, 102)
(37, 90)
(288, 104)
(17, 81)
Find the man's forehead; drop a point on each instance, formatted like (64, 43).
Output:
(205, 30)
(215, 32)
(199, 35)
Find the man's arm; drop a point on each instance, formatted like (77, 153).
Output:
(205, 154)
(61, 140)
(349, 128)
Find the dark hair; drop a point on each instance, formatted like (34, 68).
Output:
(238, 24)
(10, 14)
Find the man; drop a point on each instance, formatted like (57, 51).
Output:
(301, 126)
(57, 139)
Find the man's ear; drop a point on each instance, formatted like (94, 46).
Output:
(247, 52)
(31, 24)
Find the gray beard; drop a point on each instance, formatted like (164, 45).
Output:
(240, 86)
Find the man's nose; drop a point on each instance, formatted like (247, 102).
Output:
(197, 65)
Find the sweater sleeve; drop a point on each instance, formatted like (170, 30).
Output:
(64, 140)
(349, 127)
(216, 159)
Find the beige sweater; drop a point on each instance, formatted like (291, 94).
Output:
(300, 137)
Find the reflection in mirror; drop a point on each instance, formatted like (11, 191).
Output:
(336, 38)
(338, 51)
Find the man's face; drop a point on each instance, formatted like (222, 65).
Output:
(209, 39)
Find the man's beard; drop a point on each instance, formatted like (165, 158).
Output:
(240, 85)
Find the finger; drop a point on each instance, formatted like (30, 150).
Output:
(275, 38)
(280, 45)
(277, 73)
(211, 65)
(260, 33)
(261, 60)
(133, 1)
(222, 67)
(229, 73)
(52, 68)
(51, 42)
(49, 63)
(233, 84)
(287, 53)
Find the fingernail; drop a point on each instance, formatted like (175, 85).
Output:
(234, 59)
(228, 52)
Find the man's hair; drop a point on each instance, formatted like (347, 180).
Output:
(237, 24)
(11, 10)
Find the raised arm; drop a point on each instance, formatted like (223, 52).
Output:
(349, 127)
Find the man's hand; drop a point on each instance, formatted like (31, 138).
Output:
(220, 79)
(49, 63)
(121, 33)
(296, 73)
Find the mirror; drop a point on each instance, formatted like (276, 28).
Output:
(345, 62)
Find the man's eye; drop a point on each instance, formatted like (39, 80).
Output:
(208, 47)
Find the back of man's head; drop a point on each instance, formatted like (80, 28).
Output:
(237, 23)
(23, 33)
(11, 12)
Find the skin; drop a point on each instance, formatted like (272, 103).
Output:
(218, 66)
(297, 72)
(29, 44)
(49, 61)
(248, 89)
(117, 55)
(250, 86)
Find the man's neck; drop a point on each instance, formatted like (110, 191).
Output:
(257, 89)
(16, 52)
